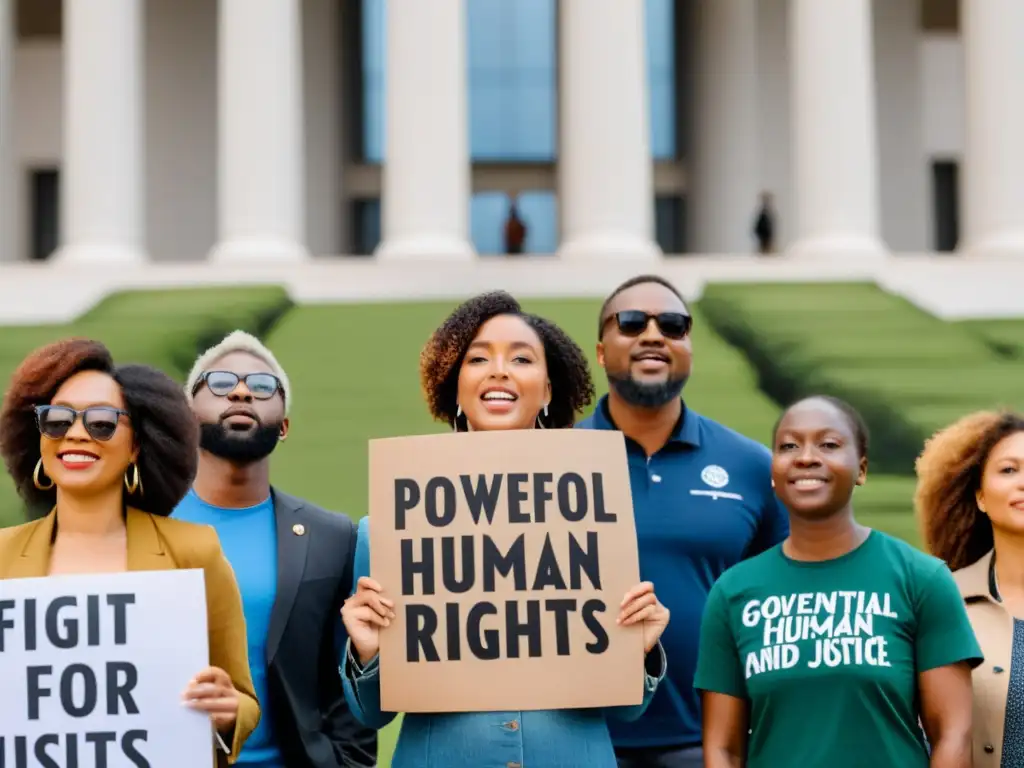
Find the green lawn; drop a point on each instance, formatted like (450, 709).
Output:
(166, 329)
(1004, 336)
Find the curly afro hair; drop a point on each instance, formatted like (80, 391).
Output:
(165, 429)
(572, 388)
(949, 474)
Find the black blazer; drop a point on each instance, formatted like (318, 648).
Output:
(312, 723)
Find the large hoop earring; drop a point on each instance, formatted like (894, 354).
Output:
(38, 474)
(455, 421)
(135, 483)
(540, 422)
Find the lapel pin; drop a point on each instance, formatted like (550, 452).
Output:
(298, 529)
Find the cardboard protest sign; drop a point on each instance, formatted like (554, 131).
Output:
(93, 669)
(507, 555)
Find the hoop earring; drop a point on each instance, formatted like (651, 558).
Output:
(37, 474)
(455, 421)
(540, 422)
(135, 483)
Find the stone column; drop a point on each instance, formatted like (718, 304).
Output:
(606, 189)
(723, 190)
(260, 139)
(835, 142)
(994, 157)
(426, 170)
(102, 175)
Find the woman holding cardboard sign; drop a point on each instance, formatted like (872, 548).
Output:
(492, 367)
(105, 452)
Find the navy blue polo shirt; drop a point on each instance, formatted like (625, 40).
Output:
(703, 503)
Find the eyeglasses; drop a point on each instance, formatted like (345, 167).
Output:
(100, 421)
(633, 322)
(222, 383)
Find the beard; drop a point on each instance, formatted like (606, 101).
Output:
(241, 447)
(646, 395)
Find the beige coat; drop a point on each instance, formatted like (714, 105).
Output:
(993, 626)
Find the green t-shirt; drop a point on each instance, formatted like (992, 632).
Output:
(828, 653)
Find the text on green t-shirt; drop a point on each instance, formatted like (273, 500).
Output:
(828, 653)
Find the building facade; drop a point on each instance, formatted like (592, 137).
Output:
(269, 130)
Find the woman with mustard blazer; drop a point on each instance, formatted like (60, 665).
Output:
(970, 501)
(105, 453)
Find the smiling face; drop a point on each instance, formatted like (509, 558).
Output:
(815, 462)
(646, 365)
(1002, 484)
(236, 422)
(79, 463)
(503, 381)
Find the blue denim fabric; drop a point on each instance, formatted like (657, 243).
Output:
(564, 738)
(561, 738)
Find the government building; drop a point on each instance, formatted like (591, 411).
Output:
(272, 131)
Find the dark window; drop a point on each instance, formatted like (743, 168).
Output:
(940, 15)
(946, 191)
(45, 191)
(365, 226)
(39, 19)
(669, 220)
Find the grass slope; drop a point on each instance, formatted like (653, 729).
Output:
(166, 329)
(1004, 336)
(908, 372)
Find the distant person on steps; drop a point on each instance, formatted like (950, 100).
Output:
(764, 225)
(702, 499)
(515, 230)
(293, 561)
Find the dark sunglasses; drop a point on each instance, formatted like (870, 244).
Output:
(222, 383)
(100, 421)
(633, 322)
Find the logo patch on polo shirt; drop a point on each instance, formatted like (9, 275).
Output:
(715, 476)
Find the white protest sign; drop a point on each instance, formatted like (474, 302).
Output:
(93, 667)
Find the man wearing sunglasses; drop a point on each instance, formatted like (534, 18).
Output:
(293, 562)
(702, 499)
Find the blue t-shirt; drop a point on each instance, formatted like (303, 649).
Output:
(703, 503)
(248, 537)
